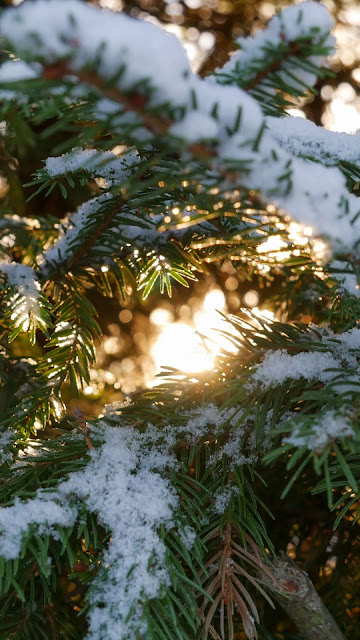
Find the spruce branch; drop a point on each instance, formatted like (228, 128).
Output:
(295, 48)
(297, 595)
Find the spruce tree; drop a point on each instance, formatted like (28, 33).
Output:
(169, 516)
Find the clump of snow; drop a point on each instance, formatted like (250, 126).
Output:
(123, 485)
(322, 430)
(279, 366)
(195, 126)
(350, 339)
(188, 536)
(25, 301)
(43, 512)
(97, 163)
(222, 498)
(14, 70)
(302, 137)
(70, 233)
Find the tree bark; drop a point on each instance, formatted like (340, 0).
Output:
(295, 592)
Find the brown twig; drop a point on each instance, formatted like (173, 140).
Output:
(297, 595)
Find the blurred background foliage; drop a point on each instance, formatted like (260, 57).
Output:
(141, 336)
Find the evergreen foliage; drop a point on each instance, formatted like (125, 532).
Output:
(155, 521)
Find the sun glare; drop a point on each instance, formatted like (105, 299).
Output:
(192, 347)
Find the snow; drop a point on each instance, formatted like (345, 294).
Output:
(300, 137)
(97, 163)
(347, 281)
(323, 429)
(42, 511)
(15, 70)
(350, 339)
(296, 22)
(195, 126)
(222, 498)
(313, 194)
(278, 366)
(25, 301)
(70, 233)
(125, 485)
(342, 351)
(73, 30)
(6, 439)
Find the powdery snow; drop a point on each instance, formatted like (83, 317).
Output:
(27, 286)
(196, 126)
(301, 137)
(6, 440)
(70, 234)
(74, 30)
(97, 163)
(347, 281)
(323, 430)
(343, 351)
(125, 485)
(279, 366)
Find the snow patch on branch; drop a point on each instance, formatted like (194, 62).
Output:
(70, 234)
(300, 137)
(279, 366)
(306, 20)
(27, 287)
(96, 163)
(342, 351)
(124, 487)
(137, 52)
(15, 70)
(324, 429)
(69, 29)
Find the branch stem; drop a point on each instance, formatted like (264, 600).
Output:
(299, 598)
